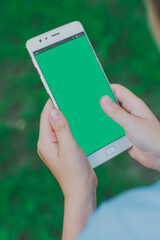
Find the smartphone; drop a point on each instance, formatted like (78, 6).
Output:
(75, 81)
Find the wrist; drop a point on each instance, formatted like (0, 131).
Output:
(84, 196)
(158, 148)
(78, 207)
(85, 188)
(78, 196)
(83, 204)
(157, 153)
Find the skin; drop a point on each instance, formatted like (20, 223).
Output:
(154, 20)
(68, 162)
(141, 126)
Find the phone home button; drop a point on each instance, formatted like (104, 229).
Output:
(110, 150)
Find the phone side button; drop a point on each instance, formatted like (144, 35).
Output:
(110, 150)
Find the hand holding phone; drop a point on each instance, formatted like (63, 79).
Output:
(69, 164)
(141, 126)
(60, 152)
(75, 82)
(56, 145)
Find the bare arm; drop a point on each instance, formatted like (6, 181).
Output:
(70, 166)
(77, 210)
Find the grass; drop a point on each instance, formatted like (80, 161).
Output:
(31, 202)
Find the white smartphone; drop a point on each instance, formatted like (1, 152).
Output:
(75, 81)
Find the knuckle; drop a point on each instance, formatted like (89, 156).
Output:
(118, 85)
(41, 115)
(60, 126)
(39, 147)
(40, 150)
(116, 109)
(142, 102)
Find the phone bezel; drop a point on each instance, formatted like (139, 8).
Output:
(56, 35)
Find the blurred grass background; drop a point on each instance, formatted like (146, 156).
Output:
(31, 202)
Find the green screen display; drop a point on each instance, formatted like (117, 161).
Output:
(77, 83)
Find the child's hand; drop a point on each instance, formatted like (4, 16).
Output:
(62, 155)
(70, 166)
(141, 126)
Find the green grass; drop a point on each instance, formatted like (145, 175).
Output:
(31, 202)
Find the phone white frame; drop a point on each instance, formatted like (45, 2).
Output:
(34, 44)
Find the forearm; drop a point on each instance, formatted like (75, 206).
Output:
(76, 212)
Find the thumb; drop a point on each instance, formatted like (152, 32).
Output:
(118, 114)
(61, 128)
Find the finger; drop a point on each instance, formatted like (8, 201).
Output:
(141, 157)
(46, 134)
(61, 128)
(130, 102)
(118, 114)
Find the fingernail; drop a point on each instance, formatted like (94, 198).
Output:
(106, 100)
(55, 114)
